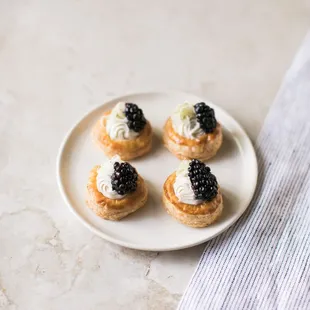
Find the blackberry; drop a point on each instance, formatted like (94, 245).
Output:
(205, 117)
(135, 117)
(204, 183)
(124, 179)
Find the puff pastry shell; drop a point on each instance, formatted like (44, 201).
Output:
(201, 148)
(126, 149)
(114, 209)
(200, 215)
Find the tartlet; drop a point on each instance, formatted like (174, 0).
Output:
(137, 144)
(192, 137)
(201, 214)
(126, 202)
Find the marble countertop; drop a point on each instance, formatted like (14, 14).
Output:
(58, 59)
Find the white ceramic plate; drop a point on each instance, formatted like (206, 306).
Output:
(151, 228)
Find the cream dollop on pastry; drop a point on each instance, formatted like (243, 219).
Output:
(184, 121)
(117, 124)
(104, 178)
(182, 185)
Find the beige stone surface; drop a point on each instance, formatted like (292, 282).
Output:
(59, 59)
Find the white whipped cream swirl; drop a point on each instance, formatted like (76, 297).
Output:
(116, 125)
(185, 123)
(104, 175)
(182, 185)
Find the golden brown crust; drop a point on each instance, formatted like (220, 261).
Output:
(114, 209)
(202, 148)
(200, 215)
(126, 149)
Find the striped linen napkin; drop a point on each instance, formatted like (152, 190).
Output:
(263, 262)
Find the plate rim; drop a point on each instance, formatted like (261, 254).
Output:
(129, 244)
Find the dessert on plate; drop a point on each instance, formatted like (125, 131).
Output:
(115, 189)
(191, 194)
(193, 132)
(123, 131)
